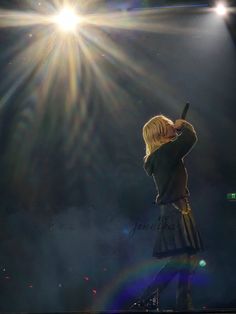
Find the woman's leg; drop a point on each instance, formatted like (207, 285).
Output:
(194, 263)
(183, 292)
(165, 275)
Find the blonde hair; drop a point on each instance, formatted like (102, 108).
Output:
(154, 132)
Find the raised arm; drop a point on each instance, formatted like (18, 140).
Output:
(183, 144)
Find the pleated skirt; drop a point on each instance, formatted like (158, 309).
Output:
(177, 232)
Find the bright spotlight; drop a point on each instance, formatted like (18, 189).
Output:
(67, 20)
(221, 9)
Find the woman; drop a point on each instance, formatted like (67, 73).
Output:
(178, 239)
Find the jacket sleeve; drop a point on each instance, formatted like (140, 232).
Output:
(148, 168)
(183, 144)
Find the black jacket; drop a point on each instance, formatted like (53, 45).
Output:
(167, 167)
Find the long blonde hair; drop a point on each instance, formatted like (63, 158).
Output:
(154, 132)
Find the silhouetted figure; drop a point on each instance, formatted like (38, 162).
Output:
(178, 239)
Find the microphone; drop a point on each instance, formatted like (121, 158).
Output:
(184, 113)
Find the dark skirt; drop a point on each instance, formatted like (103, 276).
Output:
(177, 232)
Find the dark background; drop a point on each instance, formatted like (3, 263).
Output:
(72, 180)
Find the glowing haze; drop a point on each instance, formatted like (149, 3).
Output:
(63, 39)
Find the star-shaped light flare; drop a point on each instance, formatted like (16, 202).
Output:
(61, 39)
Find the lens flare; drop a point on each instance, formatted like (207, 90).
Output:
(67, 20)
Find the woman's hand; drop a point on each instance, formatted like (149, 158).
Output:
(179, 123)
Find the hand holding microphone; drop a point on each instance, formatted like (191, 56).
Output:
(179, 122)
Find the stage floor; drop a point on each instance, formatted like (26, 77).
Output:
(216, 310)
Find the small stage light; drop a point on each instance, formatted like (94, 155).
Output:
(202, 263)
(221, 9)
(231, 196)
(67, 20)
